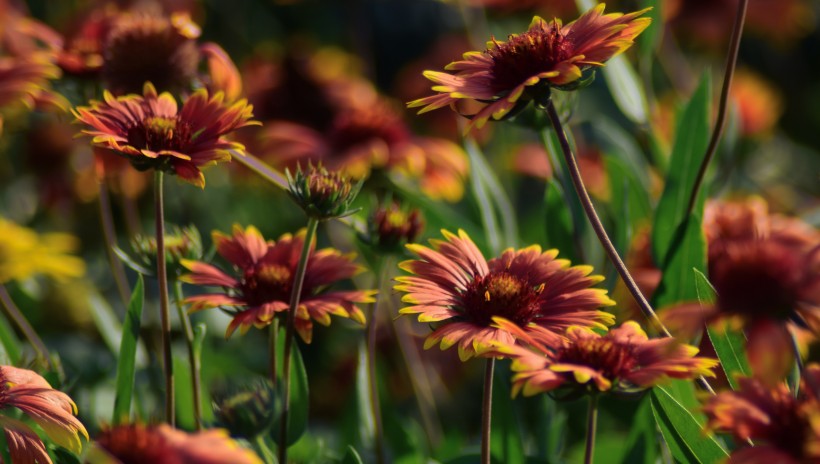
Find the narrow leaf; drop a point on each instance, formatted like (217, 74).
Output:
(624, 85)
(641, 444)
(683, 433)
(678, 282)
(10, 342)
(352, 456)
(298, 415)
(126, 364)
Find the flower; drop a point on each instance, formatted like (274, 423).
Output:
(322, 194)
(161, 444)
(784, 429)
(52, 410)
(509, 74)
(153, 133)
(392, 226)
(454, 285)
(24, 253)
(25, 80)
(263, 288)
(180, 243)
(622, 360)
(766, 272)
(758, 101)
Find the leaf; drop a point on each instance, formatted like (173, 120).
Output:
(131, 262)
(641, 444)
(10, 342)
(677, 281)
(126, 363)
(691, 139)
(558, 221)
(505, 439)
(729, 344)
(482, 198)
(109, 326)
(504, 206)
(351, 456)
(299, 400)
(682, 432)
(648, 39)
(624, 85)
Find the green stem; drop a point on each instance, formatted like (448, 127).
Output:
(165, 313)
(372, 379)
(14, 313)
(258, 166)
(592, 424)
(193, 359)
(600, 232)
(295, 294)
(263, 450)
(720, 123)
(273, 335)
(110, 237)
(487, 410)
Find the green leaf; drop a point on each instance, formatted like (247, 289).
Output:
(351, 456)
(641, 444)
(678, 282)
(126, 363)
(649, 38)
(691, 139)
(626, 89)
(682, 432)
(505, 439)
(299, 400)
(109, 325)
(558, 221)
(729, 344)
(482, 198)
(10, 342)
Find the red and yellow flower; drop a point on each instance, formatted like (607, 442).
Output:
(263, 288)
(161, 444)
(153, 133)
(622, 360)
(784, 429)
(454, 287)
(52, 410)
(507, 75)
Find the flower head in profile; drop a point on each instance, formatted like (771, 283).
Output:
(53, 411)
(153, 133)
(784, 429)
(161, 444)
(507, 75)
(622, 360)
(456, 288)
(766, 272)
(180, 244)
(24, 253)
(262, 289)
(321, 193)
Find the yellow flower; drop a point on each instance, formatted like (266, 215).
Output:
(24, 253)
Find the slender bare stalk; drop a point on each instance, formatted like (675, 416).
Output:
(372, 380)
(258, 166)
(603, 237)
(165, 313)
(14, 313)
(193, 359)
(592, 425)
(296, 291)
(110, 237)
(720, 123)
(273, 335)
(487, 410)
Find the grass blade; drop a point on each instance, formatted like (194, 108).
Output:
(126, 364)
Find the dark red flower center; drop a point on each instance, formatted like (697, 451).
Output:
(788, 429)
(538, 50)
(613, 359)
(501, 294)
(158, 133)
(266, 283)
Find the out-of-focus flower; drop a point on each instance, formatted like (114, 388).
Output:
(263, 288)
(557, 8)
(22, 36)
(322, 194)
(52, 410)
(25, 81)
(784, 429)
(180, 244)
(82, 53)
(766, 272)
(161, 444)
(508, 75)
(758, 102)
(152, 133)
(623, 360)
(456, 288)
(24, 253)
(246, 409)
(392, 227)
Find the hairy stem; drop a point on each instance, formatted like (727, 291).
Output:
(487, 410)
(720, 123)
(295, 294)
(165, 313)
(592, 424)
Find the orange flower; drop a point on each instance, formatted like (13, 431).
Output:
(455, 287)
(50, 409)
(623, 360)
(263, 288)
(152, 133)
(785, 429)
(161, 444)
(766, 272)
(509, 74)
(759, 104)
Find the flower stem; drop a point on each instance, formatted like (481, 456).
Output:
(109, 235)
(372, 380)
(13, 312)
(295, 294)
(600, 232)
(273, 335)
(592, 424)
(165, 313)
(258, 166)
(193, 359)
(486, 410)
(720, 123)
(263, 450)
